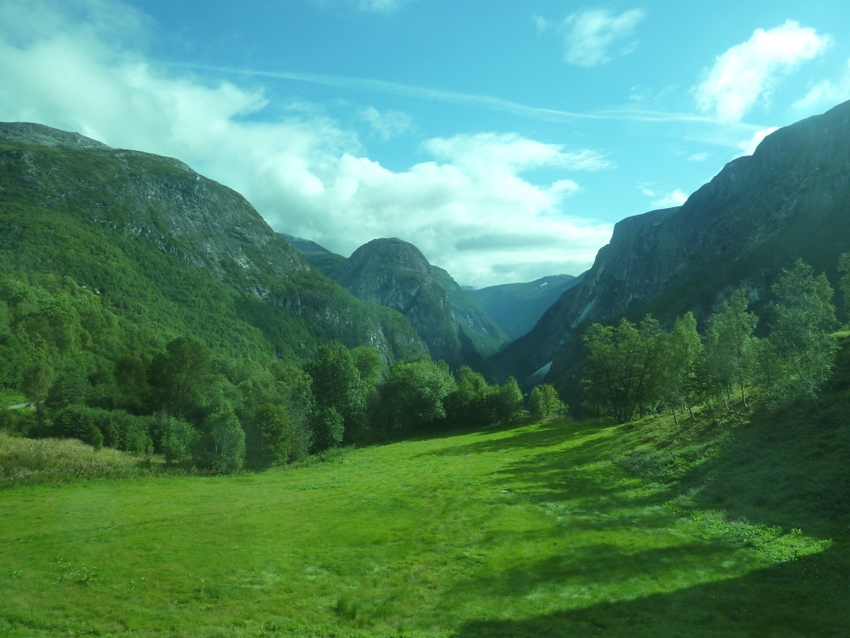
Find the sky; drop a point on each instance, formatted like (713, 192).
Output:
(504, 139)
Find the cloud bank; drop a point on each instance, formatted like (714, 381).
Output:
(747, 73)
(470, 206)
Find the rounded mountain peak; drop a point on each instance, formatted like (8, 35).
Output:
(389, 252)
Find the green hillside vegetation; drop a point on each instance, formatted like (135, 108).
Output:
(73, 213)
(648, 528)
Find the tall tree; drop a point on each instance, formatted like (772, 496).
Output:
(622, 369)
(337, 387)
(731, 347)
(801, 349)
(683, 354)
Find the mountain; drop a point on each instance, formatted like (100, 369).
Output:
(789, 200)
(485, 334)
(317, 256)
(166, 246)
(517, 307)
(396, 274)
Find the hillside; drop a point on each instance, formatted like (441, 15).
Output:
(165, 246)
(517, 307)
(789, 200)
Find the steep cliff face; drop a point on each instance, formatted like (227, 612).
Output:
(163, 205)
(394, 273)
(790, 199)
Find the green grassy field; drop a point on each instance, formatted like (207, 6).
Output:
(553, 529)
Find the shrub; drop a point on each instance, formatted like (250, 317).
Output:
(545, 403)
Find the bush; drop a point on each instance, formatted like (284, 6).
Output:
(79, 422)
(328, 429)
(177, 438)
(276, 433)
(545, 403)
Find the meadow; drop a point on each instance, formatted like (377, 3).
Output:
(536, 529)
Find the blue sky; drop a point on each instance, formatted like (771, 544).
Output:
(503, 138)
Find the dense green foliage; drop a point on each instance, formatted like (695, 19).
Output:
(545, 404)
(644, 369)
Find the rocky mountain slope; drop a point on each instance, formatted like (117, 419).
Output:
(789, 200)
(396, 274)
(517, 307)
(485, 334)
(183, 248)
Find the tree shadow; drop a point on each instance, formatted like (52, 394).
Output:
(806, 598)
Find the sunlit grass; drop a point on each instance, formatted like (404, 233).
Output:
(525, 531)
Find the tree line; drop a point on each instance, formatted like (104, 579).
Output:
(101, 378)
(640, 369)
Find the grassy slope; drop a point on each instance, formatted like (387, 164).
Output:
(543, 529)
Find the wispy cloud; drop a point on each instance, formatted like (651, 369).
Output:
(747, 73)
(476, 100)
(386, 124)
(595, 36)
(827, 93)
(699, 157)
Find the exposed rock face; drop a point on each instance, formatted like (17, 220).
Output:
(394, 273)
(790, 199)
(165, 204)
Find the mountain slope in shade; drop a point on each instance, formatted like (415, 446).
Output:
(318, 256)
(517, 307)
(789, 200)
(165, 244)
(485, 334)
(394, 273)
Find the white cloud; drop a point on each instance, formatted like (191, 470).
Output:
(664, 200)
(468, 207)
(748, 72)
(826, 93)
(591, 36)
(748, 147)
(699, 157)
(386, 124)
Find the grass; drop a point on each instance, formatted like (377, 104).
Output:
(28, 461)
(555, 529)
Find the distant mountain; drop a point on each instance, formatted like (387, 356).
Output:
(167, 247)
(485, 334)
(789, 200)
(318, 256)
(396, 274)
(517, 307)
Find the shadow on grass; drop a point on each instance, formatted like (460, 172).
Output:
(805, 598)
